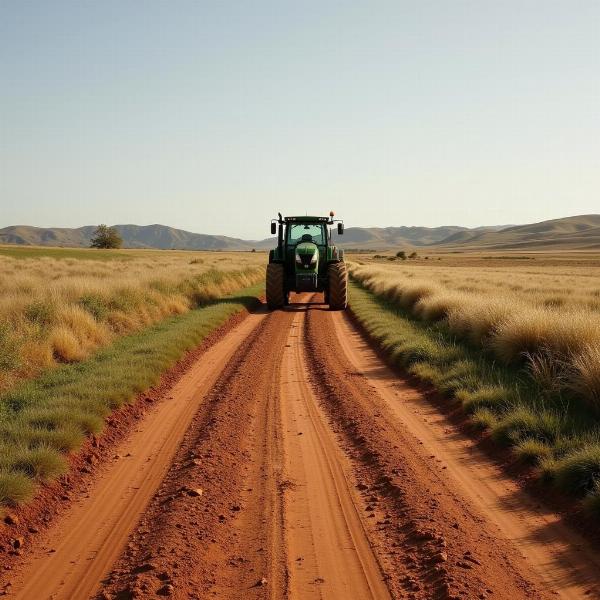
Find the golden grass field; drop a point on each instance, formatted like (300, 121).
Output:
(547, 315)
(58, 306)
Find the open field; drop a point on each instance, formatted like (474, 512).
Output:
(280, 457)
(59, 305)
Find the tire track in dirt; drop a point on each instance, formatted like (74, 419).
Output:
(69, 561)
(329, 554)
(214, 529)
(439, 546)
(564, 562)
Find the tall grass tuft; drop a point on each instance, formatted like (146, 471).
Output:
(584, 377)
(578, 472)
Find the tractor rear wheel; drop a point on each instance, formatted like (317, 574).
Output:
(338, 286)
(275, 293)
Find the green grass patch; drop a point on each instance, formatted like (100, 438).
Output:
(42, 419)
(544, 429)
(80, 253)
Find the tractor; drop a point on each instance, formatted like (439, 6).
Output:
(305, 260)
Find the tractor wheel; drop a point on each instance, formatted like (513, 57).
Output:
(338, 286)
(275, 293)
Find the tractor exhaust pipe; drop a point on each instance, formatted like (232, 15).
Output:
(280, 231)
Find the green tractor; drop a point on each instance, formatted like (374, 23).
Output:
(305, 260)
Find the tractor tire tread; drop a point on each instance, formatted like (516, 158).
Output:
(274, 286)
(338, 286)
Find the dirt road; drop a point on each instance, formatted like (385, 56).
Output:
(289, 462)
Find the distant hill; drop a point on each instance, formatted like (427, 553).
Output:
(378, 238)
(570, 233)
(581, 232)
(134, 236)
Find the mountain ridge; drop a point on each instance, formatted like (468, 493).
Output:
(576, 232)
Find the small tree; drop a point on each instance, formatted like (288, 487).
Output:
(106, 237)
(413, 255)
(401, 255)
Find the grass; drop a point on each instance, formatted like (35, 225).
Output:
(22, 252)
(43, 419)
(61, 310)
(546, 319)
(556, 429)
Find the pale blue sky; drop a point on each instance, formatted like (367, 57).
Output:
(211, 116)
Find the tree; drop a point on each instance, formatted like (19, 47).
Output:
(413, 255)
(106, 237)
(401, 255)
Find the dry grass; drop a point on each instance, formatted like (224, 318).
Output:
(546, 318)
(59, 310)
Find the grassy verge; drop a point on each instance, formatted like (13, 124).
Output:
(61, 311)
(43, 419)
(557, 432)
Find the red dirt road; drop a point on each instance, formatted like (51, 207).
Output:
(289, 462)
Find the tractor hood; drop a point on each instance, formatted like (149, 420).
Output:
(307, 256)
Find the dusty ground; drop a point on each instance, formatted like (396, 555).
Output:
(289, 462)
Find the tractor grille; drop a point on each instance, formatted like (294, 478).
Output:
(305, 259)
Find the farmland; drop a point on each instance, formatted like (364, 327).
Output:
(196, 444)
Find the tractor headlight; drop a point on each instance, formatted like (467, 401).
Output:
(313, 259)
(298, 259)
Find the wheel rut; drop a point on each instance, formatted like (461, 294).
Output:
(329, 553)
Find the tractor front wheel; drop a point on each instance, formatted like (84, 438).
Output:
(275, 293)
(338, 286)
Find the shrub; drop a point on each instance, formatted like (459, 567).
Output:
(532, 451)
(41, 312)
(488, 396)
(42, 462)
(524, 422)
(65, 346)
(401, 254)
(584, 376)
(9, 349)
(578, 472)
(15, 488)
(95, 305)
(483, 418)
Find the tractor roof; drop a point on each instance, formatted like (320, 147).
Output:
(306, 219)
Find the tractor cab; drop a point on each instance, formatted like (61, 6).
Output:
(305, 260)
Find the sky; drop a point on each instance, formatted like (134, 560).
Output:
(214, 116)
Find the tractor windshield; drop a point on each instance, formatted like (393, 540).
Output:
(301, 232)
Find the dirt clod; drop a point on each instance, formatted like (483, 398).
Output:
(11, 519)
(166, 590)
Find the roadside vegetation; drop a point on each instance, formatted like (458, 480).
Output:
(519, 347)
(58, 309)
(43, 419)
